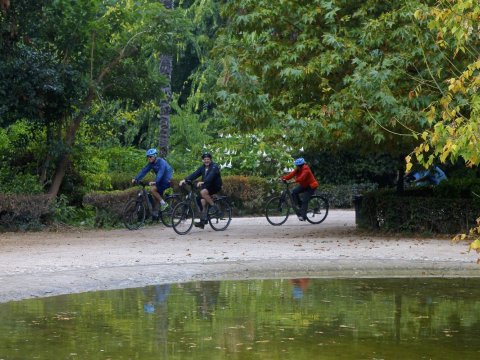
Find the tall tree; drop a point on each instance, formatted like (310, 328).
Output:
(166, 66)
(327, 73)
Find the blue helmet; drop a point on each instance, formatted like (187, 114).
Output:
(299, 161)
(151, 152)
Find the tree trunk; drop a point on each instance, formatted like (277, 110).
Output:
(166, 66)
(70, 136)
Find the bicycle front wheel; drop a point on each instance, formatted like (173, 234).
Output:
(277, 211)
(166, 215)
(134, 214)
(317, 209)
(182, 218)
(220, 220)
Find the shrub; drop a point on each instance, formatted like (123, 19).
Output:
(246, 194)
(389, 211)
(24, 211)
(340, 196)
(109, 205)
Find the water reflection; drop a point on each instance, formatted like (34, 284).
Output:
(262, 319)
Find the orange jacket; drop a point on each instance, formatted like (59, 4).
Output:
(304, 177)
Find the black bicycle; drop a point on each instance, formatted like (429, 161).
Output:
(185, 212)
(140, 208)
(279, 207)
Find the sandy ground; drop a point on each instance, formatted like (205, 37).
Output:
(52, 263)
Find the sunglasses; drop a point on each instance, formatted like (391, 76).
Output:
(150, 156)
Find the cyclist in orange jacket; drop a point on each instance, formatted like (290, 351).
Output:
(307, 184)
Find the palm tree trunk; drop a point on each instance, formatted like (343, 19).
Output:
(166, 66)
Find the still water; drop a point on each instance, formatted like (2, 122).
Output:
(256, 319)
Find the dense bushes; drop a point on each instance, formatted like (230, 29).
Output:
(420, 210)
(24, 211)
(108, 205)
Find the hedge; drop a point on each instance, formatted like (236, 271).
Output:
(23, 212)
(415, 212)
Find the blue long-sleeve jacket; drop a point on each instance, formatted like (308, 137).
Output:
(211, 177)
(161, 168)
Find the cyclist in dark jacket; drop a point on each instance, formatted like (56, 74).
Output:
(211, 184)
(163, 176)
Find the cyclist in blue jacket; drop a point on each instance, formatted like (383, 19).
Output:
(210, 184)
(163, 176)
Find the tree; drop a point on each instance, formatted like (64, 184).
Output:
(329, 74)
(165, 109)
(113, 48)
(454, 115)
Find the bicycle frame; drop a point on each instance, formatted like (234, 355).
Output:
(287, 195)
(142, 195)
(190, 208)
(279, 207)
(192, 196)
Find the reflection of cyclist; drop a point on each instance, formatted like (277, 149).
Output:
(164, 173)
(160, 296)
(211, 184)
(306, 184)
(300, 286)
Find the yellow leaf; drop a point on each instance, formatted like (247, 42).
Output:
(424, 135)
(475, 245)
(444, 156)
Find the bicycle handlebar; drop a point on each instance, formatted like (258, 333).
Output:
(142, 183)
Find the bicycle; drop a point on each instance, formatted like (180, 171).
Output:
(138, 209)
(279, 207)
(185, 212)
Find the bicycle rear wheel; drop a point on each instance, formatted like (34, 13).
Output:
(277, 211)
(220, 220)
(166, 215)
(317, 209)
(182, 218)
(134, 214)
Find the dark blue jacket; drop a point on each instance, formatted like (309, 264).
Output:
(161, 168)
(210, 177)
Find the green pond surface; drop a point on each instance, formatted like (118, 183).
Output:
(415, 318)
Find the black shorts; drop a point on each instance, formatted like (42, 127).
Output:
(213, 189)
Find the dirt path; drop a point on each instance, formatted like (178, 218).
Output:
(46, 263)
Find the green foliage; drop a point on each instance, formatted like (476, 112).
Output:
(190, 136)
(64, 213)
(263, 153)
(327, 74)
(80, 56)
(348, 167)
(12, 182)
(453, 115)
(93, 168)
